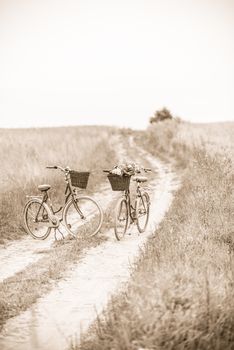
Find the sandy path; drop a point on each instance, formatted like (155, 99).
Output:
(71, 307)
(17, 255)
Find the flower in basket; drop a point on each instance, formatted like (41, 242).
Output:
(117, 171)
(126, 168)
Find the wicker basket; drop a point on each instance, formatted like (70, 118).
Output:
(119, 183)
(79, 178)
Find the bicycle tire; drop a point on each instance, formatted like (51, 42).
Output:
(37, 229)
(142, 211)
(121, 218)
(92, 221)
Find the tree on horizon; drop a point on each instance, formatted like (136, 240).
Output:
(161, 115)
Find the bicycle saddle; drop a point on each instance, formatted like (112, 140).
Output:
(44, 187)
(140, 179)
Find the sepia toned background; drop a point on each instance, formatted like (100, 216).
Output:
(91, 67)
(115, 62)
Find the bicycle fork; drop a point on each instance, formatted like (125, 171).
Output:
(75, 200)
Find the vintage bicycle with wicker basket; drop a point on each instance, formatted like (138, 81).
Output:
(127, 212)
(80, 214)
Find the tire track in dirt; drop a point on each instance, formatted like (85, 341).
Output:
(17, 255)
(63, 314)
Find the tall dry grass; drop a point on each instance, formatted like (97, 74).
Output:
(214, 137)
(24, 154)
(181, 293)
(162, 140)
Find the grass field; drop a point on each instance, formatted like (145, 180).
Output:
(181, 293)
(24, 154)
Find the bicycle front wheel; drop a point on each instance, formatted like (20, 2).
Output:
(83, 216)
(142, 211)
(121, 218)
(36, 219)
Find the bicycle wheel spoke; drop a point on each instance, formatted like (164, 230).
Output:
(31, 215)
(84, 218)
(35, 224)
(121, 219)
(142, 212)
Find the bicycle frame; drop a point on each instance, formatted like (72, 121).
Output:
(78, 211)
(46, 200)
(131, 208)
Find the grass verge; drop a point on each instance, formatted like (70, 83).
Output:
(181, 293)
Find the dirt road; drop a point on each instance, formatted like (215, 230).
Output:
(59, 317)
(17, 255)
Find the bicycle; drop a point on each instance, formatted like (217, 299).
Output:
(79, 214)
(125, 210)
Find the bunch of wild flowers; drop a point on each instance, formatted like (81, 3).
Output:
(126, 169)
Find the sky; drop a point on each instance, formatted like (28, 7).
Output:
(115, 62)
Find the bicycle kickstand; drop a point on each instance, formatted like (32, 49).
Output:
(55, 234)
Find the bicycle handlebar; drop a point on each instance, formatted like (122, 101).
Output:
(51, 167)
(147, 169)
(65, 170)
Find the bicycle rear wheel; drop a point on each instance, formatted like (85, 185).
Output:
(142, 211)
(83, 217)
(121, 218)
(36, 219)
